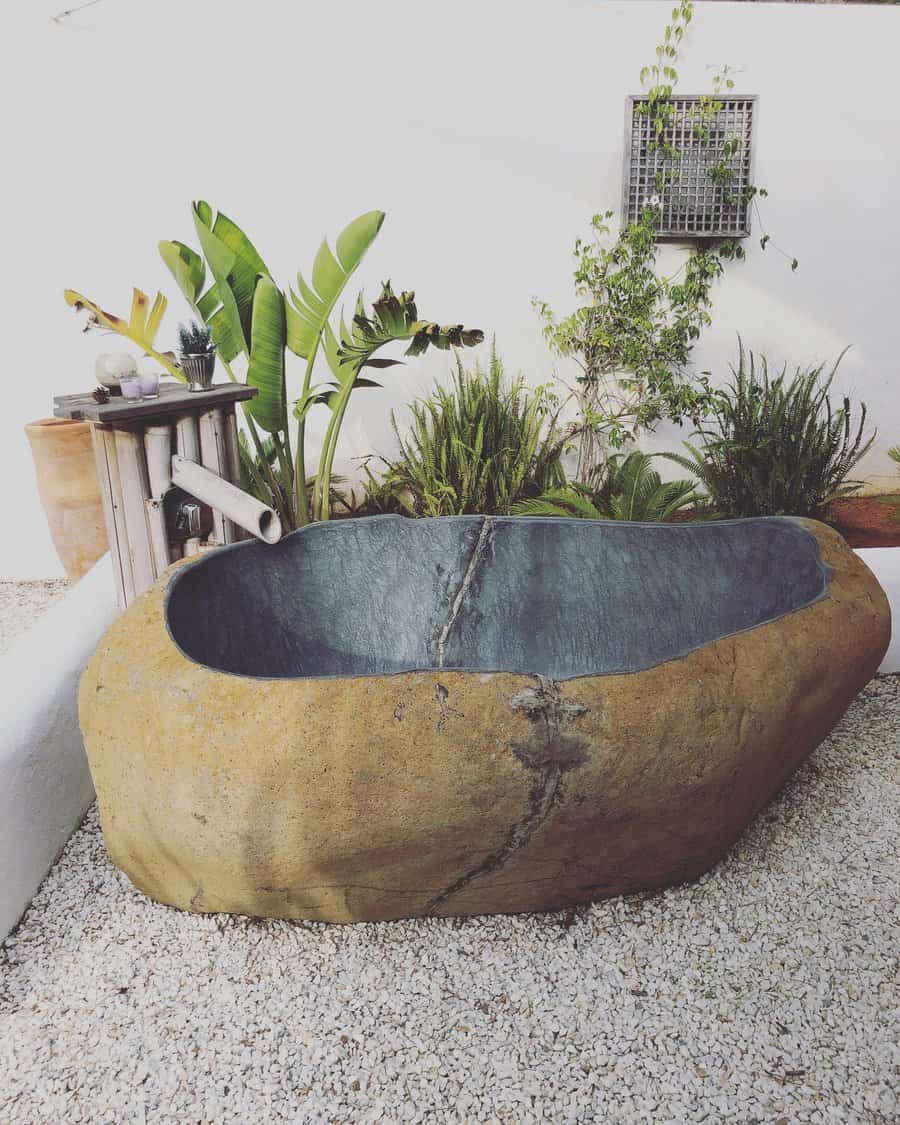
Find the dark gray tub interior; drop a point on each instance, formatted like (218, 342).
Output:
(554, 597)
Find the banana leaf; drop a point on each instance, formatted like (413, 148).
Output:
(231, 338)
(266, 369)
(187, 267)
(308, 310)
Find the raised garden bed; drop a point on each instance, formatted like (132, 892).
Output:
(868, 521)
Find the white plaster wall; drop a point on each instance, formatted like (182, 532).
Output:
(489, 132)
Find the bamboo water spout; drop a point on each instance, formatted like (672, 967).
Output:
(232, 502)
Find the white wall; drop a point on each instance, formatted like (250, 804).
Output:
(489, 132)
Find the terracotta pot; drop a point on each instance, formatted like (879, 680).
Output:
(67, 485)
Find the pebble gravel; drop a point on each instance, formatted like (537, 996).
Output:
(766, 992)
(21, 601)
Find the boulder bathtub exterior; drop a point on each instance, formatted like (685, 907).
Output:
(383, 718)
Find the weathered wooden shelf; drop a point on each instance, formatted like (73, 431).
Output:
(172, 400)
(134, 443)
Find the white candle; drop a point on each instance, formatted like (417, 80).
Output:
(149, 381)
(131, 387)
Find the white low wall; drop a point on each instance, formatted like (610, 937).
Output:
(884, 562)
(45, 786)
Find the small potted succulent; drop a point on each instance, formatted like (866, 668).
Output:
(197, 355)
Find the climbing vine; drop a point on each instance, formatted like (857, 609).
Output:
(659, 81)
(633, 335)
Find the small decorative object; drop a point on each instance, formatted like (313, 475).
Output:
(198, 355)
(100, 394)
(111, 366)
(150, 372)
(131, 387)
(149, 381)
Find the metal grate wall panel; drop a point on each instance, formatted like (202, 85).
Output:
(692, 204)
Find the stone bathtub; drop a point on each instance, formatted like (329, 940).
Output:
(382, 717)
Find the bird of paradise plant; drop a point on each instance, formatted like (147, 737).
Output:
(249, 315)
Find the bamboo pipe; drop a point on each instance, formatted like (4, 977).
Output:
(188, 437)
(213, 456)
(232, 502)
(232, 457)
(159, 542)
(113, 511)
(135, 487)
(158, 447)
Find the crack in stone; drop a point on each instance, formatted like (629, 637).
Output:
(447, 712)
(550, 752)
(456, 605)
(540, 801)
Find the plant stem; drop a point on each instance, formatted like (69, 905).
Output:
(255, 475)
(287, 468)
(277, 498)
(301, 497)
(322, 494)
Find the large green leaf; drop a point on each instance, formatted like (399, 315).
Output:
(189, 271)
(396, 318)
(266, 370)
(221, 262)
(248, 266)
(309, 309)
(235, 263)
(187, 267)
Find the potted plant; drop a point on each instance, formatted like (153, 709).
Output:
(197, 355)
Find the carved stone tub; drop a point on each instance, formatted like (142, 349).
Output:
(386, 717)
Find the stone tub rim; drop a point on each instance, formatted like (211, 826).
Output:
(183, 568)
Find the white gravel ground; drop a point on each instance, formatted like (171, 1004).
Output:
(21, 601)
(767, 992)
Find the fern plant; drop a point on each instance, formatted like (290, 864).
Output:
(260, 477)
(480, 446)
(776, 445)
(628, 489)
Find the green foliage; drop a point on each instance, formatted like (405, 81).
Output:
(254, 473)
(634, 328)
(195, 339)
(629, 488)
(775, 445)
(391, 319)
(660, 78)
(894, 453)
(659, 81)
(247, 315)
(241, 303)
(478, 447)
(633, 335)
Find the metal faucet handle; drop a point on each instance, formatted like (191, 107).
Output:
(187, 519)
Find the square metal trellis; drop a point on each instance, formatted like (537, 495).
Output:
(701, 188)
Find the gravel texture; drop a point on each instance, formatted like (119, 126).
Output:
(22, 601)
(767, 992)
